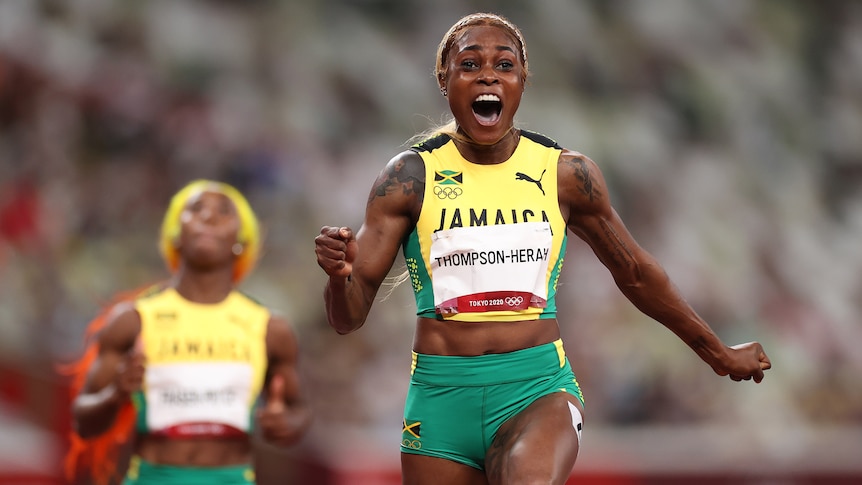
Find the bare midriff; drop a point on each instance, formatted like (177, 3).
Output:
(437, 337)
(202, 452)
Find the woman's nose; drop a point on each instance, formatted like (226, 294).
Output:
(207, 215)
(488, 76)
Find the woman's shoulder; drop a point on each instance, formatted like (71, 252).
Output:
(406, 165)
(581, 182)
(578, 161)
(430, 143)
(541, 139)
(122, 326)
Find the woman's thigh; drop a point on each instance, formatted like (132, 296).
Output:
(538, 444)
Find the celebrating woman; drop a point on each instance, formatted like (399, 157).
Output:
(482, 211)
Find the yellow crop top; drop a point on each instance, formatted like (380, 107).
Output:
(490, 240)
(205, 364)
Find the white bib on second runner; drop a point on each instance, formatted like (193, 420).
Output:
(214, 393)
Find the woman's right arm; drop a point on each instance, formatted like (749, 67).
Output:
(117, 372)
(358, 264)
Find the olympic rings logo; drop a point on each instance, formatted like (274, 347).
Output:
(447, 192)
(514, 300)
(411, 444)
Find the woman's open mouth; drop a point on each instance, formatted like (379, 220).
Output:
(487, 108)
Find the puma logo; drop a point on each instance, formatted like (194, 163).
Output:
(236, 320)
(523, 176)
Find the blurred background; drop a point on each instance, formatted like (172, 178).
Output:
(730, 134)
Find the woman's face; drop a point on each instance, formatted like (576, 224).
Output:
(209, 227)
(485, 81)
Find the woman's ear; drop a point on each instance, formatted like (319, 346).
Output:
(441, 82)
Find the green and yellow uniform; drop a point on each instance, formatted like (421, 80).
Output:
(488, 246)
(205, 368)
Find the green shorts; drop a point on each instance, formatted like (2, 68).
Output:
(455, 405)
(145, 473)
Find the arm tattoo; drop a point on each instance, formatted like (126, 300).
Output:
(622, 255)
(582, 172)
(410, 177)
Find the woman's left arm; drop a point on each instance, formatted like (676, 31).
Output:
(639, 276)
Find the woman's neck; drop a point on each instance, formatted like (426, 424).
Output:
(203, 287)
(496, 153)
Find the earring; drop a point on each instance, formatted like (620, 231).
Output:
(443, 91)
(236, 249)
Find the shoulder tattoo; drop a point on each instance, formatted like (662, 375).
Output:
(400, 175)
(581, 171)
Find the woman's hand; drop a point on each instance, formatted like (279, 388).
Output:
(336, 250)
(278, 424)
(744, 362)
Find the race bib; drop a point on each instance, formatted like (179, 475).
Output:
(490, 268)
(195, 399)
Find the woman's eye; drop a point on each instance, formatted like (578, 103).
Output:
(506, 65)
(468, 64)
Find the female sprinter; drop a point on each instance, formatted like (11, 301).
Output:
(178, 369)
(481, 210)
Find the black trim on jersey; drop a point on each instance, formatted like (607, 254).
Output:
(438, 141)
(432, 143)
(540, 139)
